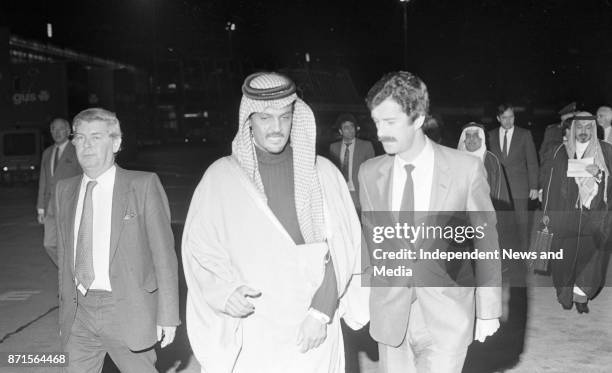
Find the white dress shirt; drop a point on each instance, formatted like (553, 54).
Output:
(343, 148)
(422, 179)
(501, 138)
(60, 150)
(102, 196)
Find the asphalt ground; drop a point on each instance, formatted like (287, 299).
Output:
(536, 335)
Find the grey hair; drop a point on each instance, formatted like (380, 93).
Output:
(98, 114)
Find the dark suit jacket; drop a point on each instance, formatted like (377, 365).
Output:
(363, 151)
(521, 164)
(553, 136)
(143, 265)
(459, 184)
(68, 166)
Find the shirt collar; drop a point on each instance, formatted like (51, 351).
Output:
(61, 147)
(105, 179)
(424, 159)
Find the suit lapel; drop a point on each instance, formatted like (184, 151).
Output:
(440, 184)
(120, 193)
(72, 191)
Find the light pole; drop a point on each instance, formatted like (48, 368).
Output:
(405, 6)
(230, 27)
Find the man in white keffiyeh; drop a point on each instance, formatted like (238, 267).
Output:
(579, 212)
(472, 141)
(271, 244)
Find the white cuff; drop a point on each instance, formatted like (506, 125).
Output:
(40, 211)
(318, 315)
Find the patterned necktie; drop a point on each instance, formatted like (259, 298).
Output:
(505, 147)
(84, 271)
(345, 162)
(55, 159)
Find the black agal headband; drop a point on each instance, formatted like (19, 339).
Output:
(274, 93)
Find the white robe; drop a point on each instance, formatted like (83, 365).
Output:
(232, 238)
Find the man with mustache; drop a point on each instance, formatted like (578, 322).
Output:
(426, 328)
(270, 245)
(579, 214)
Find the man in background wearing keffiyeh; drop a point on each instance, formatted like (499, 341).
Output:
(271, 244)
(579, 213)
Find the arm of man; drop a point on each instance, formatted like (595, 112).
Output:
(209, 272)
(313, 329)
(42, 182)
(532, 166)
(161, 243)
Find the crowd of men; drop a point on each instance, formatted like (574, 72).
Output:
(272, 247)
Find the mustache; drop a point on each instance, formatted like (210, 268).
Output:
(275, 134)
(386, 139)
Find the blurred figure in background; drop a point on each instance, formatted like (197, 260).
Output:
(59, 161)
(349, 153)
(604, 120)
(472, 141)
(516, 151)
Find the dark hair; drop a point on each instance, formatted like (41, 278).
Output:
(346, 117)
(432, 127)
(503, 107)
(405, 88)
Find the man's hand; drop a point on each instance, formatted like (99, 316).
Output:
(533, 194)
(540, 195)
(311, 334)
(165, 334)
(592, 169)
(237, 305)
(40, 217)
(485, 328)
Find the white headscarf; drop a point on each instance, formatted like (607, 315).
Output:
(481, 152)
(587, 186)
(263, 90)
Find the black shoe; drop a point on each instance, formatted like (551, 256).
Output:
(582, 307)
(567, 306)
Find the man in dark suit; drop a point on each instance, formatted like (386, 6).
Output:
(58, 162)
(349, 153)
(515, 148)
(553, 136)
(426, 328)
(118, 277)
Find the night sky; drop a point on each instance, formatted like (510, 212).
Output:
(547, 52)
